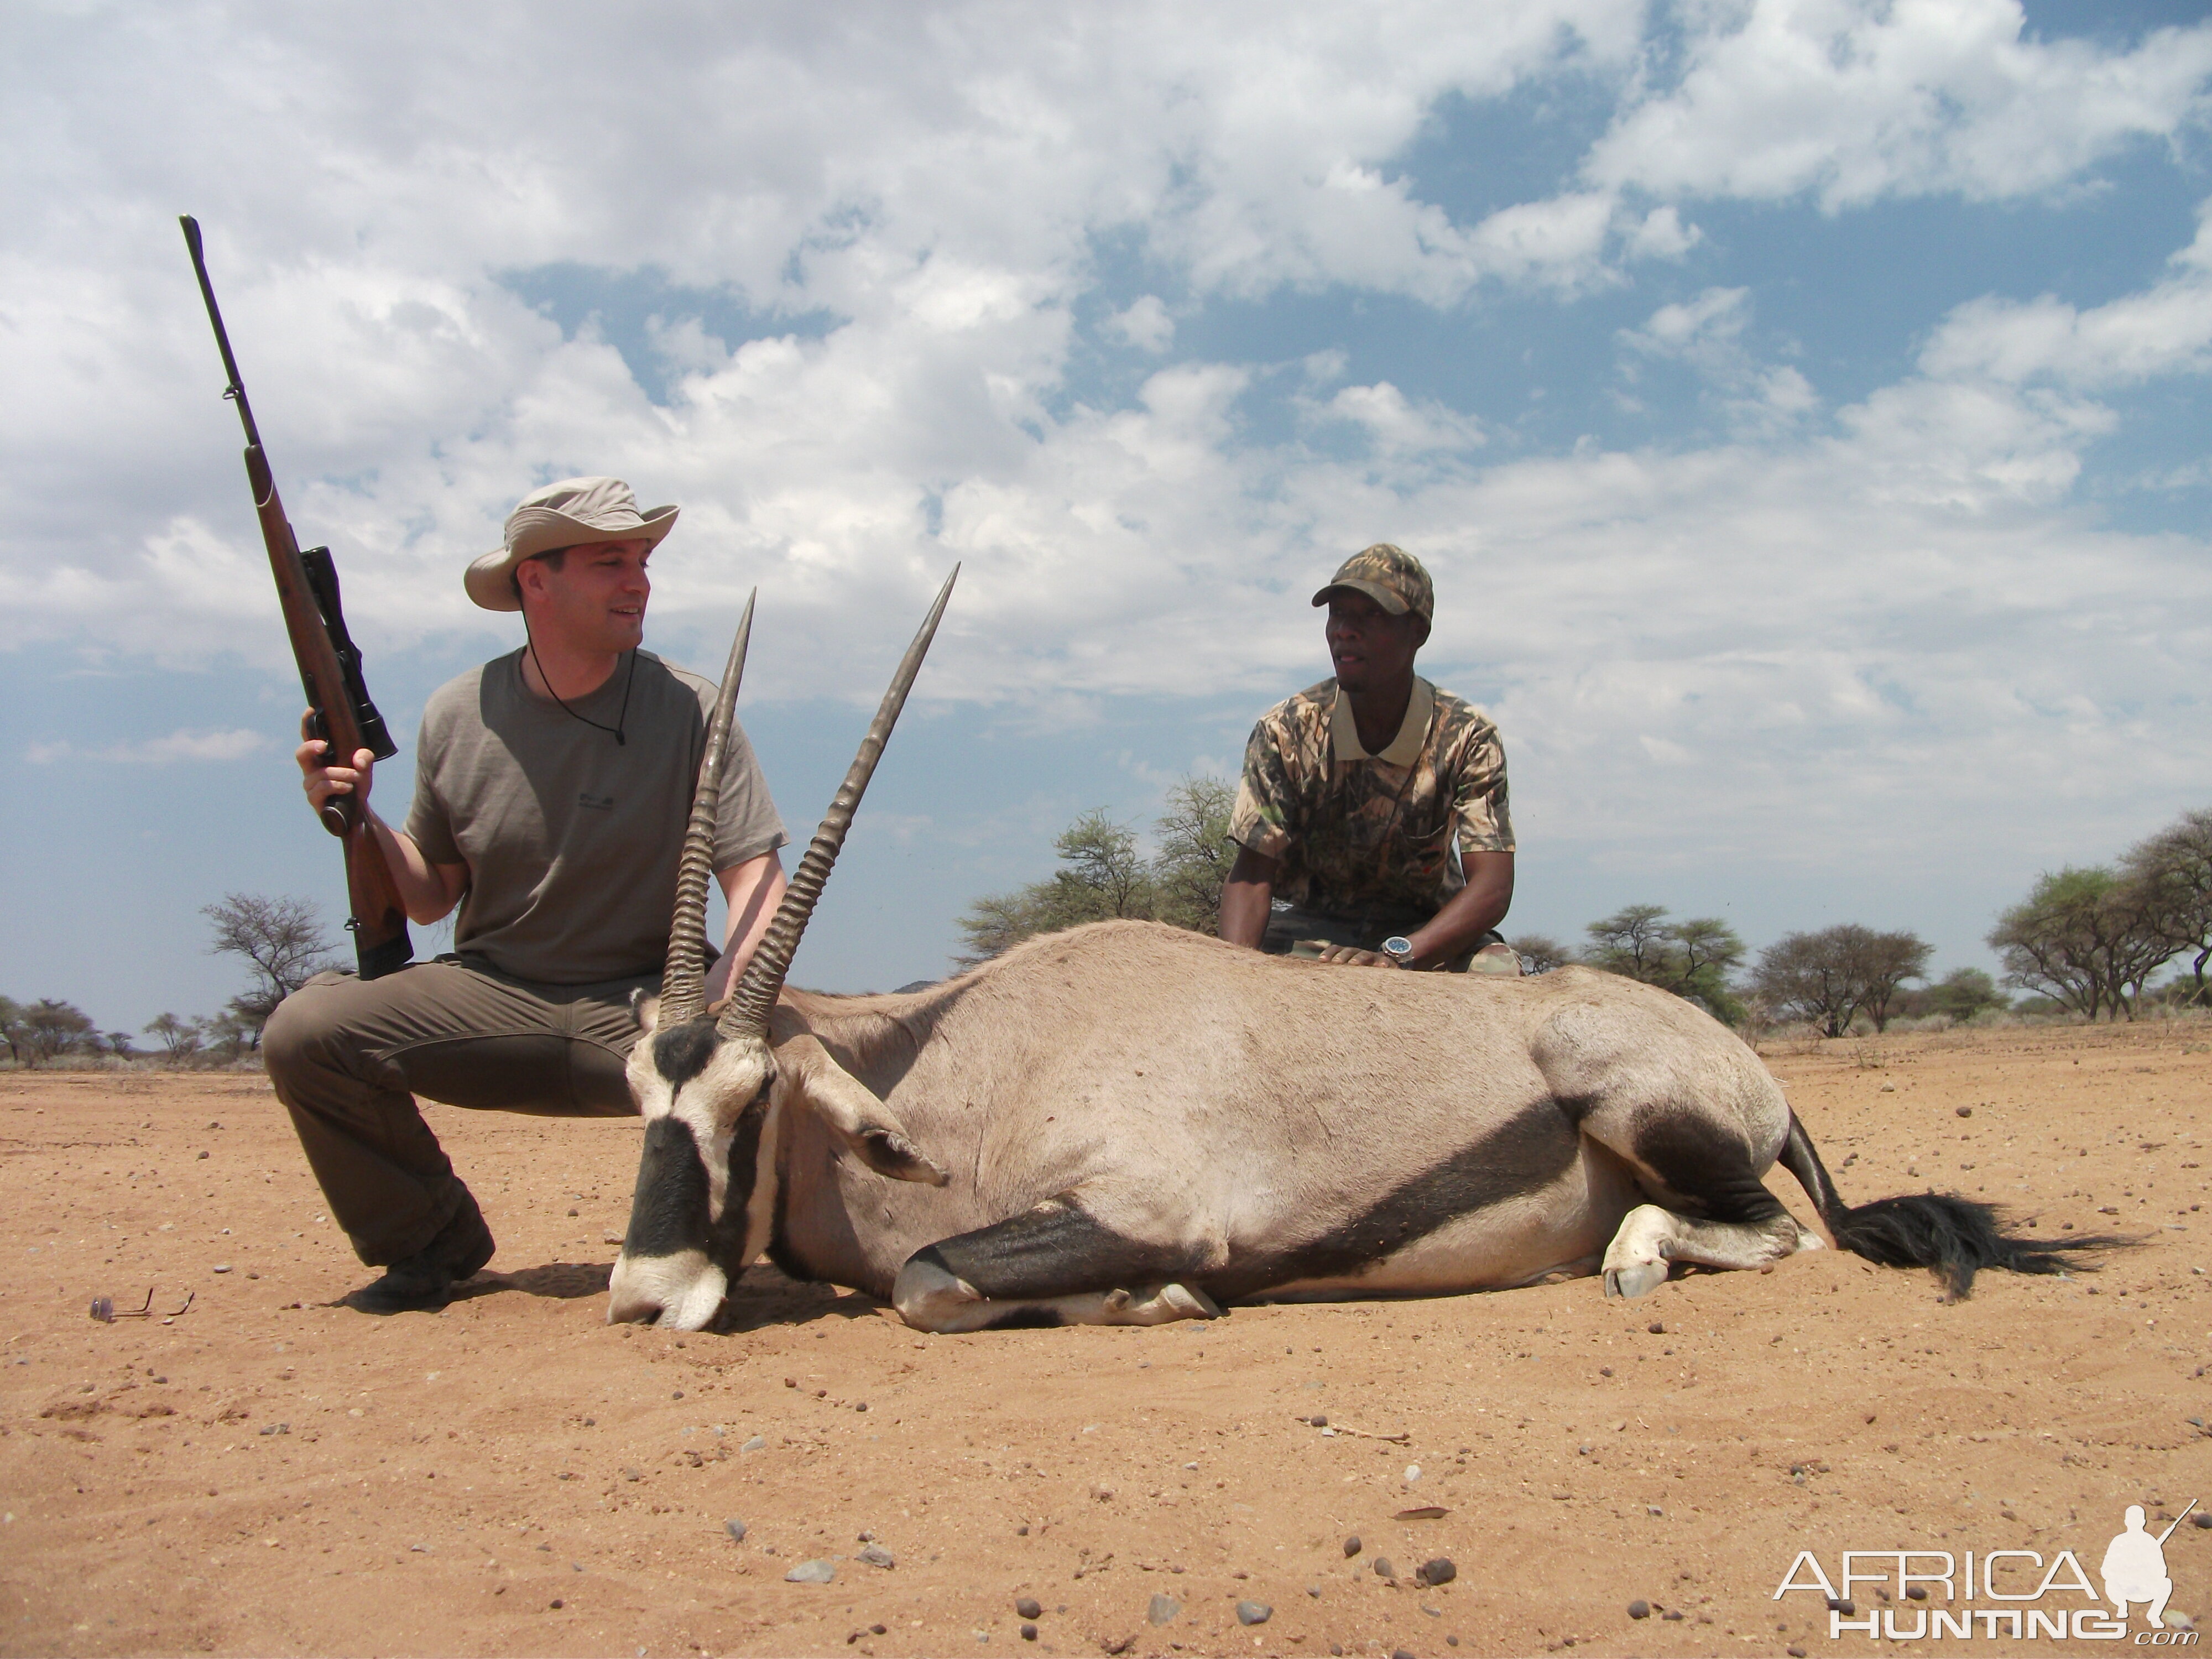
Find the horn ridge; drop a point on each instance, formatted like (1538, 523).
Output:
(755, 997)
(683, 980)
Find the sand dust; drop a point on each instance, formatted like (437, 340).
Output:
(269, 1473)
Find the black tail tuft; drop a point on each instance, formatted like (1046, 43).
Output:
(1956, 1237)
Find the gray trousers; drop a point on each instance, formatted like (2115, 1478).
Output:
(348, 1058)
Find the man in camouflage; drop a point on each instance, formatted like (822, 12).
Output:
(1374, 803)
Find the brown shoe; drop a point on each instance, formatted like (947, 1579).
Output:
(424, 1281)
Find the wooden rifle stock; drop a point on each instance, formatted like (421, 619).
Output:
(340, 711)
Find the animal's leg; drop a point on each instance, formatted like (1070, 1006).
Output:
(929, 1299)
(1650, 1237)
(1707, 1204)
(1052, 1265)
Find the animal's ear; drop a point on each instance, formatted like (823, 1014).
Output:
(647, 1009)
(853, 1113)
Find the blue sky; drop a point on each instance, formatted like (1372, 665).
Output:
(1802, 407)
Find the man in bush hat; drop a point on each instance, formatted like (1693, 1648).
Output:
(1371, 825)
(552, 786)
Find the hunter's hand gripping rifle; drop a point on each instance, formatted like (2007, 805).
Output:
(330, 668)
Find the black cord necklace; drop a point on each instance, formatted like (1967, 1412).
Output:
(620, 719)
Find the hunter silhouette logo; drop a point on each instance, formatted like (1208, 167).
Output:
(1923, 1594)
(2134, 1568)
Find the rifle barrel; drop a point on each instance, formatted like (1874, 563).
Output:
(236, 390)
(2178, 1520)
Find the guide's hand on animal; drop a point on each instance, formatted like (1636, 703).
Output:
(1345, 956)
(323, 781)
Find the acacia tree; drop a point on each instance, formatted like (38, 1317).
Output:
(1196, 854)
(1103, 875)
(180, 1039)
(1964, 992)
(1691, 958)
(1833, 976)
(2087, 938)
(1630, 942)
(47, 1029)
(1540, 953)
(1101, 878)
(2172, 874)
(282, 940)
(1885, 961)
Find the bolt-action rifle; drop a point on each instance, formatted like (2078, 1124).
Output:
(340, 712)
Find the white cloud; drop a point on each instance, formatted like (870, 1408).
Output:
(2165, 330)
(178, 746)
(1706, 333)
(1815, 638)
(1145, 325)
(1663, 235)
(1397, 427)
(1855, 100)
(1716, 314)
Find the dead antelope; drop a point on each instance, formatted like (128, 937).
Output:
(1125, 1123)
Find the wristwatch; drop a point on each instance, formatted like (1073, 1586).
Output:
(1399, 949)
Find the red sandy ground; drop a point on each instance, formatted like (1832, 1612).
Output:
(272, 1473)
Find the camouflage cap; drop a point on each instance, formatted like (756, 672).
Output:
(1390, 577)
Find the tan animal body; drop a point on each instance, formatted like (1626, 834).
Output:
(1127, 1123)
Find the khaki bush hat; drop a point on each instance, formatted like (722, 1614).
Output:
(1390, 577)
(565, 514)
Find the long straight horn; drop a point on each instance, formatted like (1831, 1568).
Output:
(755, 997)
(684, 981)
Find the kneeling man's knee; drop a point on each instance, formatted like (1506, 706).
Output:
(298, 1034)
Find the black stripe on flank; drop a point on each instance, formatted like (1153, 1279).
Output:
(1523, 1154)
(668, 1211)
(680, 1053)
(1055, 1249)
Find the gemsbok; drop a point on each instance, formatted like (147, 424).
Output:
(1128, 1123)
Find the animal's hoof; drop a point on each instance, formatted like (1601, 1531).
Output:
(928, 1297)
(1640, 1280)
(1190, 1303)
(1117, 1301)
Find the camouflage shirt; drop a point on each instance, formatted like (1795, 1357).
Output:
(1349, 828)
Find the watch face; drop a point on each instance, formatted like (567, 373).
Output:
(1398, 949)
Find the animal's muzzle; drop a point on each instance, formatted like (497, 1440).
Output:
(667, 1272)
(682, 1291)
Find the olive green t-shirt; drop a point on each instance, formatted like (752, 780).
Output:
(571, 839)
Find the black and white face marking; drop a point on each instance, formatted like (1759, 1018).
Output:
(705, 1196)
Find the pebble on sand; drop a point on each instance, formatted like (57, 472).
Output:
(1438, 1571)
(877, 1556)
(1162, 1608)
(811, 1572)
(1253, 1612)
(1029, 1608)
(1352, 1547)
(1029, 1632)
(1384, 1569)
(1640, 1608)
(735, 1528)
